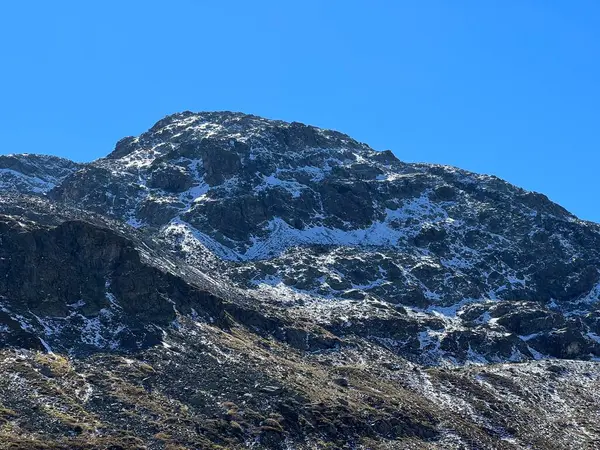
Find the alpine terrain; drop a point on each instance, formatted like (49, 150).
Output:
(228, 281)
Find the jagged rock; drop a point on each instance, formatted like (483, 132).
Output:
(341, 381)
(171, 179)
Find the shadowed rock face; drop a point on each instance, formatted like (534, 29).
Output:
(256, 281)
(62, 284)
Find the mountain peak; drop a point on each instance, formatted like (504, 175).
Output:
(254, 131)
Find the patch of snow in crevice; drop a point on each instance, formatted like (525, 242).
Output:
(594, 337)
(292, 187)
(46, 345)
(528, 337)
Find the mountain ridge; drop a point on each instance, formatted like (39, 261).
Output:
(169, 118)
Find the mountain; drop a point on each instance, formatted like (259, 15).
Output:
(229, 280)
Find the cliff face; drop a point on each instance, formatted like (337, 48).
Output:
(227, 279)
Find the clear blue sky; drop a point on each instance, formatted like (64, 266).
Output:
(510, 88)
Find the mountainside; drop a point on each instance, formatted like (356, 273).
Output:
(334, 229)
(33, 173)
(225, 279)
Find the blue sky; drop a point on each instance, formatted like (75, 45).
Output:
(510, 88)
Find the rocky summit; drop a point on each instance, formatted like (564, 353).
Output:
(229, 281)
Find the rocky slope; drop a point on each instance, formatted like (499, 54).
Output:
(33, 173)
(325, 294)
